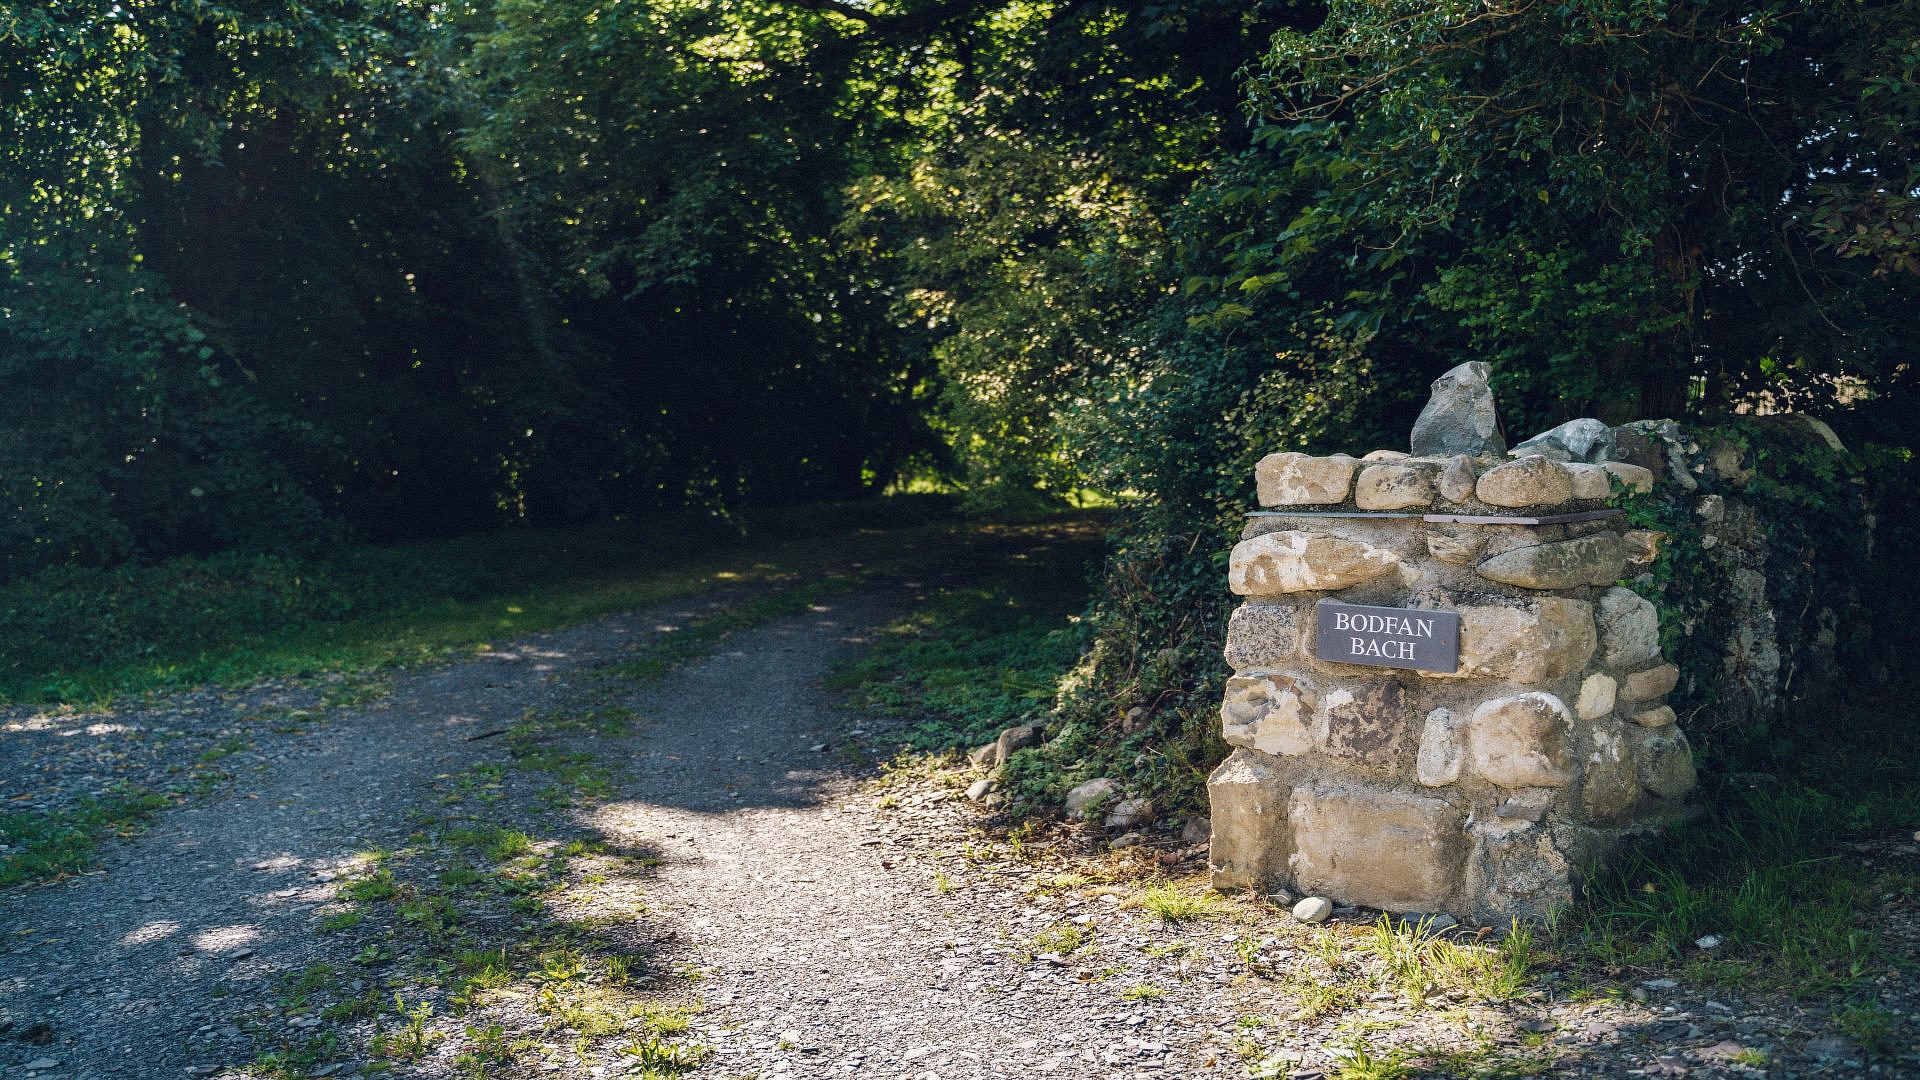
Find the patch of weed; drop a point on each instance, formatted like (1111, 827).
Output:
(1171, 902)
(48, 845)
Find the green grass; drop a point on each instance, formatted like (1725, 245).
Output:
(458, 979)
(86, 636)
(1769, 870)
(1418, 963)
(1060, 939)
(44, 845)
(986, 654)
(1173, 903)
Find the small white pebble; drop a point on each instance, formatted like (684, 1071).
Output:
(1313, 909)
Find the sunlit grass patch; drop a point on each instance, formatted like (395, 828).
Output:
(1419, 963)
(1172, 902)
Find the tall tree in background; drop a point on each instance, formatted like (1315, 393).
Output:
(1029, 227)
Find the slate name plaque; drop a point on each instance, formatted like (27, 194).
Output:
(1387, 637)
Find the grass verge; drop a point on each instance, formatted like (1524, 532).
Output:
(984, 654)
(84, 636)
(1778, 871)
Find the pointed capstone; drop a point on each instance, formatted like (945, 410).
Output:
(1587, 440)
(1459, 417)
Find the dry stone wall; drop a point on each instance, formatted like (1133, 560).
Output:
(1483, 790)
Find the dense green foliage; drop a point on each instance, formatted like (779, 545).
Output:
(1630, 209)
(279, 273)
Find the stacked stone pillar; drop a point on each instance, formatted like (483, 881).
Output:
(1486, 791)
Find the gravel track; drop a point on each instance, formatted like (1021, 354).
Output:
(837, 931)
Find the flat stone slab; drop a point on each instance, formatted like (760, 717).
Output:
(1381, 848)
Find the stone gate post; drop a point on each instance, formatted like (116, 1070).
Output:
(1442, 699)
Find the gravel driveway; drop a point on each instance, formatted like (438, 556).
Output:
(807, 919)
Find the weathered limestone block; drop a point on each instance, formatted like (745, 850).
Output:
(1666, 763)
(1643, 546)
(1612, 782)
(1456, 479)
(1597, 695)
(1458, 548)
(1443, 749)
(1650, 683)
(1521, 740)
(1632, 477)
(1459, 417)
(1516, 871)
(1590, 481)
(1383, 455)
(1249, 844)
(1376, 847)
(1395, 485)
(1279, 563)
(1528, 481)
(1629, 628)
(1292, 479)
(1584, 440)
(1598, 559)
(1532, 641)
(1269, 713)
(1363, 723)
(1652, 718)
(1265, 635)
(1528, 804)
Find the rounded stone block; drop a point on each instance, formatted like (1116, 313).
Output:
(1362, 723)
(1590, 482)
(1293, 479)
(1385, 849)
(1598, 559)
(1248, 847)
(1597, 696)
(1530, 641)
(1458, 548)
(1629, 628)
(1634, 478)
(1643, 546)
(1666, 763)
(1443, 749)
(1650, 683)
(1456, 479)
(1293, 561)
(1527, 481)
(1269, 713)
(1652, 718)
(1612, 783)
(1265, 635)
(1395, 485)
(1521, 741)
(1515, 870)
